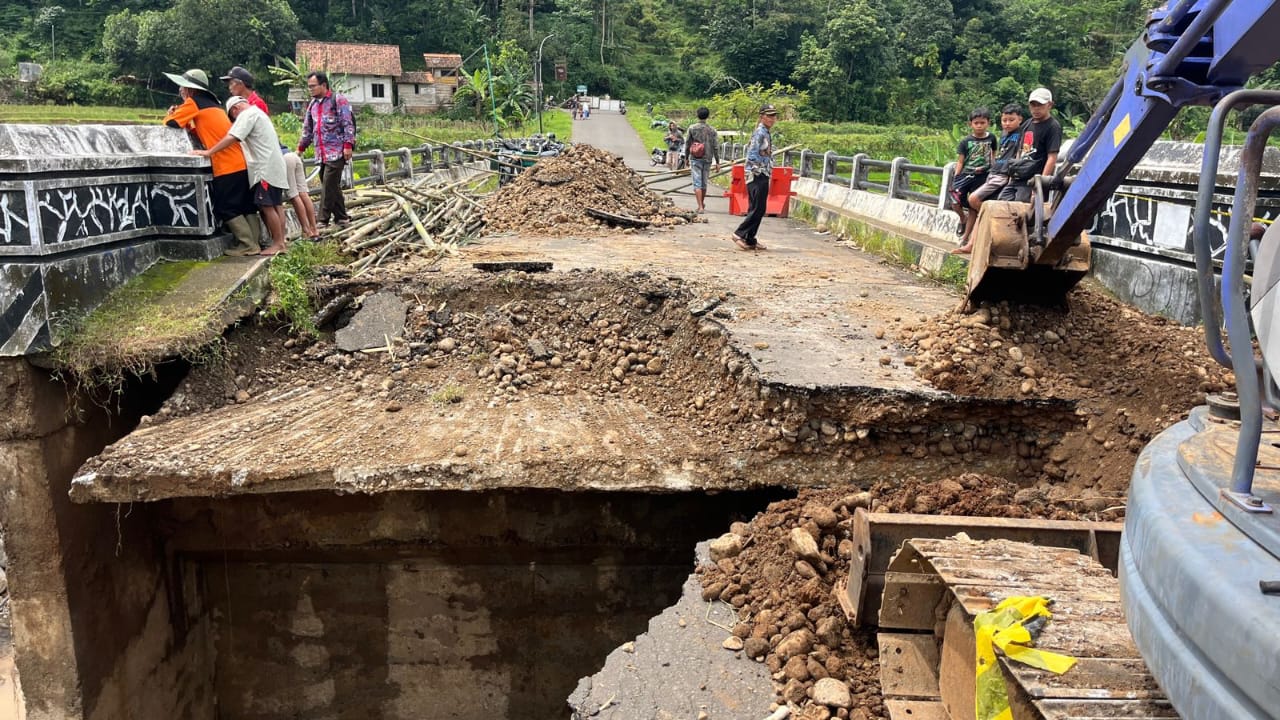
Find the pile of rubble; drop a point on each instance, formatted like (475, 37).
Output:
(556, 196)
(1130, 374)
(779, 572)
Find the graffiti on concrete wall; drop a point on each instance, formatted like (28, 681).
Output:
(1161, 223)
(15, 229)
(174, 204)
(79, 213)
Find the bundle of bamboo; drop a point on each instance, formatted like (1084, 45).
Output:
(423, 216)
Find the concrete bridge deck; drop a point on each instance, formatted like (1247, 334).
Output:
(813, 319)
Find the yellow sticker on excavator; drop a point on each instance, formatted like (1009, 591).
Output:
(1122, 130)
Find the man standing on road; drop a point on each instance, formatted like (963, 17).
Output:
(758, 170)
(330, 125)
(257, 136)
(240, 83)
(702, 150)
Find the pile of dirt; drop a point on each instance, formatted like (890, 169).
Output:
(971, 495)
(780, 569)
(497, 340)
(1131, 374)
(552, 197)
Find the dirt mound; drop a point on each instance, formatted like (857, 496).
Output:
(970, 495)
(1131, 374)
(789, 615)
(553, 196)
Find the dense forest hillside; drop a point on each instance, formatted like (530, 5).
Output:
(882, 61)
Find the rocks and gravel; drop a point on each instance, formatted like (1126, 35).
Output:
(788, 616)
(552, 197)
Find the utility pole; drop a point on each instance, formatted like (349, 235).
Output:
(538, 76)
(530, 20)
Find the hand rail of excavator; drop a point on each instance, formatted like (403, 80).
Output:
(1204, 208)
(1238, 331)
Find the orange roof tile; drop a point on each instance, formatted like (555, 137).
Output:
(351, 58)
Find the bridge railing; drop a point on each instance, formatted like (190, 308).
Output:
(386, 165)
(898, 178)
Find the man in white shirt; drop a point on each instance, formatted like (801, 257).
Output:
(267, 175)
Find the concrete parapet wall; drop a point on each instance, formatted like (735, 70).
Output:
(1151, 214)
(85, 208)
(915, 217)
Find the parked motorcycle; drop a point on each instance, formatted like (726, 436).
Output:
(516, 155)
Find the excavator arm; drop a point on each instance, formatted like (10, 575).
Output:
(1193, 52)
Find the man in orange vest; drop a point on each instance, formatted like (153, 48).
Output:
(204, 119)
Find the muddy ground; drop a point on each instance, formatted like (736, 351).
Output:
(1077, 392)
(1130, 375)
(499, 339)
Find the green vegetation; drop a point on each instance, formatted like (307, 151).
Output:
(135, 327)
(77, 114)
(899, 63)
(291, 273)
(892, 61)
(447, 395)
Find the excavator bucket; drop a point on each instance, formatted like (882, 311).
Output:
(1004, 262)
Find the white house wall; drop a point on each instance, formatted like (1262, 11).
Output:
(360, 91)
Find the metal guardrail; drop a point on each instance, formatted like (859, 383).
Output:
(832, 168)
(385, 165)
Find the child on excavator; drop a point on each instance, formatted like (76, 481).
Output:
(1010, 121)
(973, 160)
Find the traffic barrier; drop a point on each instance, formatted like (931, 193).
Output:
(778, 202)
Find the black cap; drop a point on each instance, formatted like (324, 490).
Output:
(768, 109)
(238, 73)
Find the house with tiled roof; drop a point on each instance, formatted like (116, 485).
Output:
(370, 70)
(432, 89)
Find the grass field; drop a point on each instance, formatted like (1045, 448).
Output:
(79, 114)
(377, 132)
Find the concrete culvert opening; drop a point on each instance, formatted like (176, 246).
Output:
(409, 605)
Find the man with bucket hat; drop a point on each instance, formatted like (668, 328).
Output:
(202, 116)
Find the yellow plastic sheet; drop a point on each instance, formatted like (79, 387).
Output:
(1004, 628)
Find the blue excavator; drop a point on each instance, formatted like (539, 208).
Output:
(1199, 560)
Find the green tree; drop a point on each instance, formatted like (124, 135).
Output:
(849, 66)
(209, 34)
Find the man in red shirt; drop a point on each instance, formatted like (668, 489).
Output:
(240, 83)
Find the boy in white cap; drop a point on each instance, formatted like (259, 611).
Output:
(1041, 141)
(267, 176)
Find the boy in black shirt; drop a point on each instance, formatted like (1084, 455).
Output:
(1041, 141)
(973, 160)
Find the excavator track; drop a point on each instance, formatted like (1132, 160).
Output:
(933, 590)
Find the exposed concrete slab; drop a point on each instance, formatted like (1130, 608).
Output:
(651, 677)
(375, 324)
(813, 319)
(148, 321)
